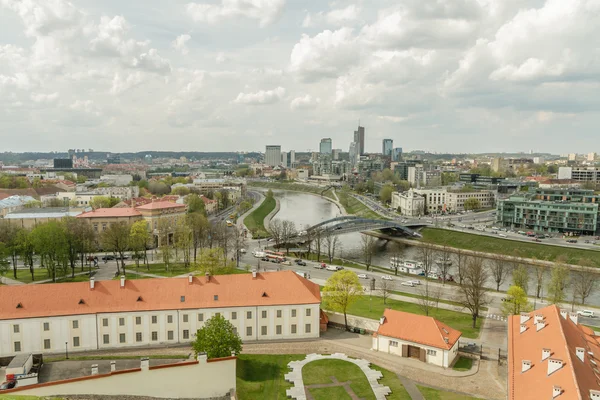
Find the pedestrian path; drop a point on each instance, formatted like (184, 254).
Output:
(9, 281)
(496, 317)
(411, 388)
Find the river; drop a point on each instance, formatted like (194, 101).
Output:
(308, 209)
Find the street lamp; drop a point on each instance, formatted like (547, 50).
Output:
(67, 350)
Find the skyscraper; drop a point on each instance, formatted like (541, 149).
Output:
(359, 139)
(291, 159)
(325, 147)
(387, 146)
(353, 154)
(397, 154)
(273, 155)
(336, 154)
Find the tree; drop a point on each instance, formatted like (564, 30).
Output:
(4, 261)
(181, 191)
(385, 194)
(583, 281)
(182, 238)
(540, 271)
(425, 254)
(445, 263)
(516, 301)
(288, 231)
(472, 204)
(367, 249)
(461, 259)
(239, 243)
(217, 338)
(26, 249)
(158, 188)
(101, 202)
(500, 269)
(116, 239)
(472, 292)
(341, 290)
(8, 236)
(195, 204)
(139, 238)
(76, 232)
(520, 277)
(50, 243)
(331, 244)
(200, 228)
(559, 280)
(385, 288)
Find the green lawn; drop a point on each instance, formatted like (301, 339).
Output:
(355, 207)
(175, 269)
(14, 397)
(255, 221)
(321, 371)
(435, 394)
(391, 380)
(488, 244)
(41, 274)
(456, 320)
(336, 392)
(418, 296)
(295, 187)
(463, 364)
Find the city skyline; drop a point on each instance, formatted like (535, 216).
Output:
(239, 74)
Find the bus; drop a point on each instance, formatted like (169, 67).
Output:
(229, 223)
(278, 259)
(275, 254)
(232, 216)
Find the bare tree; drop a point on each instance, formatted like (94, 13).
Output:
(540, 271)
(332, 242)
(397, 255)
(426, 257)
(500, 269)
(318, 243)
(426, 302)
(445, 263)
(461, 259)
(239, 242)
(583, 281)
(472, 292)
(367, 249)
(276, 229)
(385, 288)
(309, 236)
(288, 231)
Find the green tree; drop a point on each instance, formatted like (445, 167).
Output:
(139, 238)
(472, 204)
(341, 290)
(77, 232)
(385, 194)
(116, 239)
(217, 338)
(50, 243)
(449, 178)
(559, 280)
(26, 249)
(33, 204)
(181, 191)
(516, 301)
(8, 236)
(269, 193)
(520, 277)
(100, 202)
(200, 228)
(4, 259)
(195, 204)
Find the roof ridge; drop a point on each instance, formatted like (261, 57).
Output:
(437, 326)
(570, 359)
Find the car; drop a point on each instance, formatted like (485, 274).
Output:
(8, 385)
(297, 260)
(362, 276)
(300, 262)
(264, 259)
(586, 313)
(407, 283)
(274, 260)
(108, 257)
(416, 282)
(320, 266)
(387, 278)
(587, 241)
(243, 251)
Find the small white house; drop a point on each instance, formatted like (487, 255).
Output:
(416, 336)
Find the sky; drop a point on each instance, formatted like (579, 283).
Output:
(236, 75)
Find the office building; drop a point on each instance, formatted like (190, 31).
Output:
(63, 163)
(580, 174)
(408, 203)
(290, 161)
(336, 154)
(359, 139)
(397, 154)
(353, 154)
(273, 155)
(479, 180)
(325, 147)
(387, 147)
(591, 157)
(284, 157)
(441, 200)
(148, 312)
(572, 157)
(401, 168)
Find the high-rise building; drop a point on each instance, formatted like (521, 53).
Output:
(572, 156)
(397, 154)
(325, 147)
(291, 159)
(591, 157)
(359, 139)
(387, 146)
(336, 154)
(273, 155)
(284, 156)
(353, 154)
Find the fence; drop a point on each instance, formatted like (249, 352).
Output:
(482, 352)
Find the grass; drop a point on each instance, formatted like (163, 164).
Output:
(42, 274)
(435, 394)
(255, 222)
(356, 207)
(391, 380)
(374, 310)
(418, 296)
(13, 397)
(296, 187)
(175, 269)
(262, 376)
(463, 364)
(321, 372)
(488, 244)
(92, 358)
(335, 392)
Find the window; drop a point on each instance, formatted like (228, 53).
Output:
(263, 330)
(46, 326)
(200, 317)
(46, 344)
(106, 339)
(217, 314)
(234, 315)
(249, 331)
(75, 324)
(76, 341)
(17, 347)
(235, 330)
(278, 313)
(308, 311)
(121, 321)
(249, 315)
(293, 328)
(138, 336)
(121, 338)
(278, 329)
(170, 335)
(431, 352)
(264, 314)
(294, 313)
(138, 320)
(216, 297)
(104, 321)
(393, 343)
(154, 319)
(154, 336)
(307, 328)
(185, 318)
(169, 319)
(186, 334)
(16, 329)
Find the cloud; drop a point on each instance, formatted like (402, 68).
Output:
(343, 16)
(261, 97)
(180, 45)
(44, 98)
(265, 11)
(121, 84)
(221, 58)
(304, 102)
(110, 38)
(152, 62)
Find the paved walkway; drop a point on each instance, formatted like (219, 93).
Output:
(9, 281)
(334, 383)
(268, 218)
(411, 388)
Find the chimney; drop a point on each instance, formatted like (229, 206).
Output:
(525, 366)
(563, 314)
(545, 354)
(145, 364)
(580, 352)
(94, 369)
(556, 391)
(190, 279)
(538, 318)
(523, 328)
(574, 317)
(113, 366)
(446, 340)
(253, 274)
(554, 365)
(122, 281)
(207, 276)
(381, 320)
(525, 318)
(594, 394)
(92, 283)
(539, 326)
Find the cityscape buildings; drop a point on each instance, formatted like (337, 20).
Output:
(273, 155)
(359, 139)
(325, 146)
(387, 147)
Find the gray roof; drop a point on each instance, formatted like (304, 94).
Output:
(13, 201)
(50, 212)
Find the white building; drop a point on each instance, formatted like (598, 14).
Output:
(119, 314)
(273, 155)
(435, 199)
(591, 157)
(416, 336)
(443, 200)
(117, 180)
(408, 203)
(581, 174)
(83, 198)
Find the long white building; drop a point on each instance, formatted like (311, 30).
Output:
(100, 315)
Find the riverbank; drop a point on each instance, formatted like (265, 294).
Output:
(255, 222)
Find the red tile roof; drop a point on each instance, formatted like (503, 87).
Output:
(561, 336)
(159, 205)
(241, 290)
(417, 329)
(111, 213)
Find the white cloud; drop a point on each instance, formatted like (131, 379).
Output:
(121, 84)
(304, 102)
(221, 58)
(261, 97)
(42, 18)
(110, 37)
(180, 44)
(152, 62)
(265, 11)
(343, 16)
(44, 98)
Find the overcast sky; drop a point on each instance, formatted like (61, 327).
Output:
(229, 75)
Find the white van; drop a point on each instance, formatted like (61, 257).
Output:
(501, 235)
(259, 254)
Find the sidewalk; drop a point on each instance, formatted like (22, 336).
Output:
(9, 281)
(240, 220)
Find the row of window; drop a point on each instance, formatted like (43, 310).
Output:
(394, 343)
(47, 344)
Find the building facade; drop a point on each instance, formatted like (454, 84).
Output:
(87, 316)
(387, 147)
(589, 174)
(397, 154)
(359, 139)
(273, 155)
(408, 203)
(325, 147)
(441, 200)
